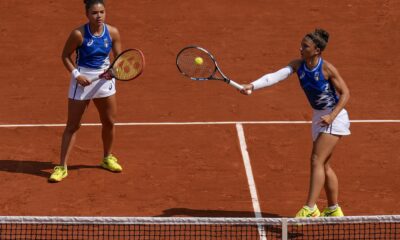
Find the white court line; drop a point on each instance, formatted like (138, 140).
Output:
(250, 178)
(187, 123)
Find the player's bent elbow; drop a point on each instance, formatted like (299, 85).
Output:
(346, 95)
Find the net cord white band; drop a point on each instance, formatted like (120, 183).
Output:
(197, 220)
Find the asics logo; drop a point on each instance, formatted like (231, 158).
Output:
(302, 75)
(90, 42)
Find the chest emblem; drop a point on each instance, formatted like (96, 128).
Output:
(316, 76)
(90, 42)
(302, 74)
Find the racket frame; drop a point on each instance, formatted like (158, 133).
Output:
(212, 76)
(110, 69)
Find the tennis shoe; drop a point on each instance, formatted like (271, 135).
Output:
(59, 173)
(307, 212)
(111, 163)
(332, 213)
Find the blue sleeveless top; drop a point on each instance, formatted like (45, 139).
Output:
(319, 91)
(94, 51)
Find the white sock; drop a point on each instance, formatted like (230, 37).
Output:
(311, 208)
(334, 207)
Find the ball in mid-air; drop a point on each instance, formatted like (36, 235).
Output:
(198, 60)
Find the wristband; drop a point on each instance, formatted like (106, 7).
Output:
(75, 73)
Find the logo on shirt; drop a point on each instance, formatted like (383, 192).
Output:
(316, 76)
(106, 42)
(302, 74)
(90, 42)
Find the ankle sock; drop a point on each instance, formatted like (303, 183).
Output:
(334, 207)
(310, 208)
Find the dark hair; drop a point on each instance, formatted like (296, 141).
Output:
(89, 3)
(320, 38)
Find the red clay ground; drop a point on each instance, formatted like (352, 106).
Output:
(176, 170)
(366, 165)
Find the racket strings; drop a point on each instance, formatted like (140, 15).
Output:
(128, 65)
(187, 64)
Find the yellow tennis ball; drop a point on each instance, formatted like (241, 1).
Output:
(198, 60)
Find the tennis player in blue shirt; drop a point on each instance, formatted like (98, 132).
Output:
(327, 94)
(92, 44)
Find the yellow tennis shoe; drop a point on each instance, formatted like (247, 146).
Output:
(307, 212)
(111, 163)
(332, 213)
(59, 173)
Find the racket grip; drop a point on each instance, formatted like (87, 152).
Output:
(235, 84)
(95, 79)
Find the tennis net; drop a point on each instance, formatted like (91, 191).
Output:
(360, 227)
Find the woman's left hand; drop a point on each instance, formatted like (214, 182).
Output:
(326, 120)
(107, 75)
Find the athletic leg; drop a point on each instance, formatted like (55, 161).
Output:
(76, 109)
(331, 184)
(322, 149)
(107, 108)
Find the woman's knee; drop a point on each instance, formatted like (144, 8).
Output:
(327, 168)
(72, 128)
(316, 160)
(108, 122)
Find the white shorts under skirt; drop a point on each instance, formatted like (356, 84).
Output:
(98, 89)
(339, 126)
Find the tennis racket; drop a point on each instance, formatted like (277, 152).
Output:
(199, 64)
(128, 65)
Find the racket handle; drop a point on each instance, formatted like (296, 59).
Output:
(107, 75)
(101, 76)
(95, 79)
(235, 84)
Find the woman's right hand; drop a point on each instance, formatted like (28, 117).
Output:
(83, 81)
(247, 89)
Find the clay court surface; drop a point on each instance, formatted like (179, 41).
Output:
(198, 170)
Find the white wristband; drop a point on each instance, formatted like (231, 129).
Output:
(75, 73)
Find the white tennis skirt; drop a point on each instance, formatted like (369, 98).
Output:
(339, 126)
(98, 89)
